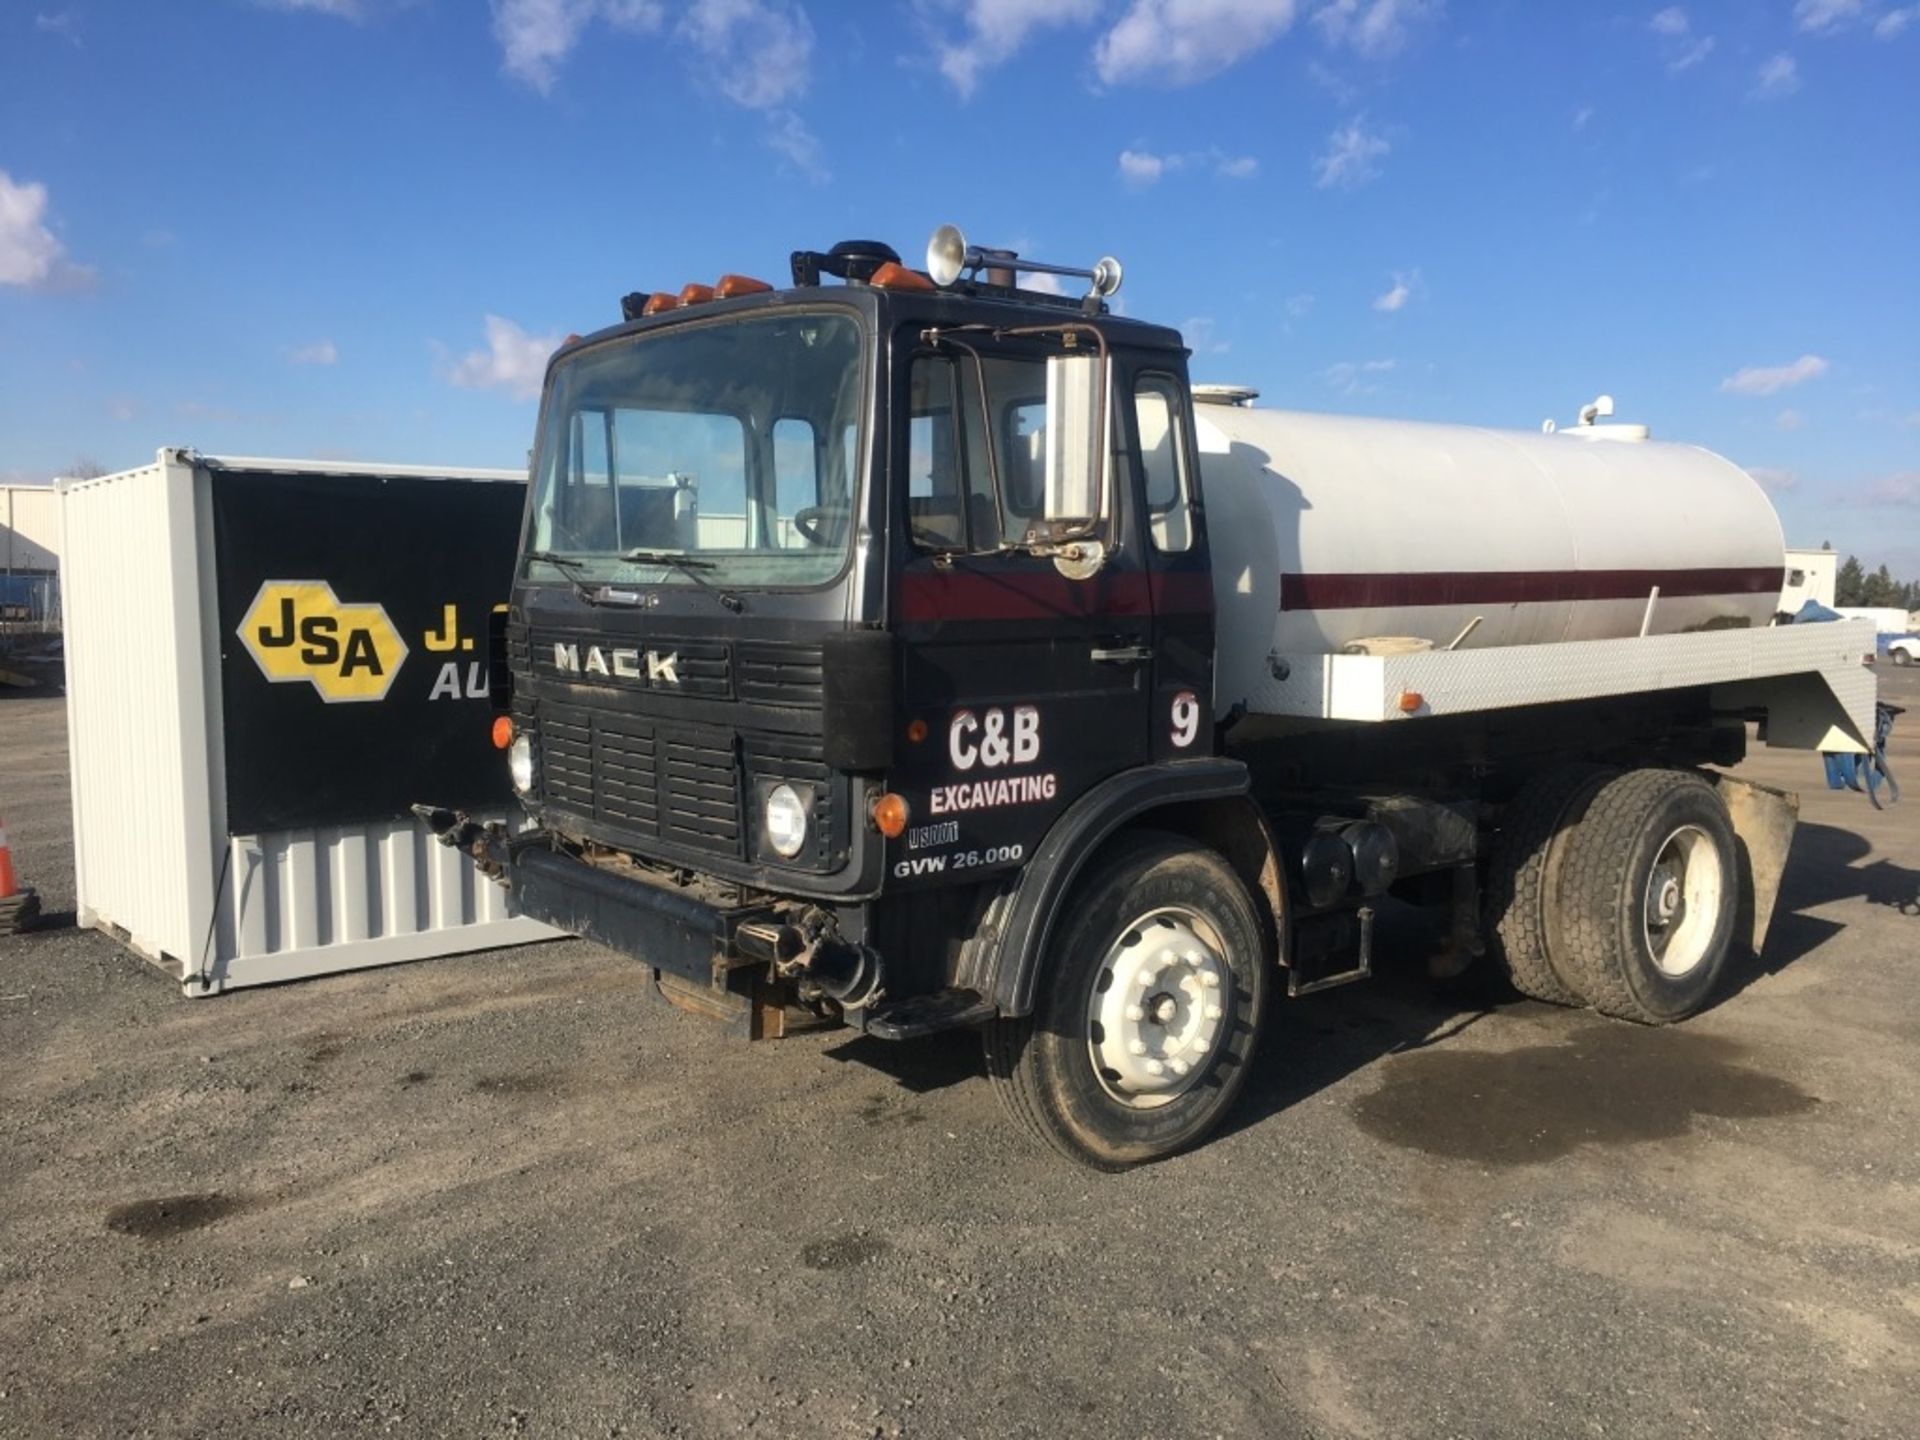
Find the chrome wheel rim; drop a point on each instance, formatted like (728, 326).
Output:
(1681, 910)
(1159, 1008)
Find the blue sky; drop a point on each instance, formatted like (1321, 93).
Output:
(355, 227)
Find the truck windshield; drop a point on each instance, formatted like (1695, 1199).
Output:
(721, 452)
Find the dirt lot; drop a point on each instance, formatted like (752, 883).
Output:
(515, 1193)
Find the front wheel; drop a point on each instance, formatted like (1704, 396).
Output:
(1147, 1019)
(1902, 657)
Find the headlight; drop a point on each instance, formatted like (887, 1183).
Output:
(520, 763)
(786, 820)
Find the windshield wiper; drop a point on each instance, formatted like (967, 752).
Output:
(569, 569)
(690, 566)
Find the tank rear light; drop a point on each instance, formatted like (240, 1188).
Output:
(695, 293)
(502, 731)
(892, 276)
(658, 301)
(732, 285)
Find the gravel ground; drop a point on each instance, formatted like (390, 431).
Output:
(514, 1193)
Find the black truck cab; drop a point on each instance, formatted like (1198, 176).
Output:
(805, 661)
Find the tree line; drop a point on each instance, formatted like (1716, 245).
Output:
(1855, 586)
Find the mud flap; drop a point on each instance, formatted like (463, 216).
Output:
(1763, 821)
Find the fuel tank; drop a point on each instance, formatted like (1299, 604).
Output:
(1332, 533)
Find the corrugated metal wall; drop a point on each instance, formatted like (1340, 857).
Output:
(136, 708)
(153, 862)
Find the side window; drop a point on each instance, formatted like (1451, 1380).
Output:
(935, 516)
(796, 478)
(1163, 467)
(1023, 456)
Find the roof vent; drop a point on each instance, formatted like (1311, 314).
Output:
(1588, 428)
(1241, 395)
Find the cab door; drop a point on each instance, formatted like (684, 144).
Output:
(1021, 687)
(1173, 527)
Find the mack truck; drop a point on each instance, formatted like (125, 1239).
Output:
(915, 649)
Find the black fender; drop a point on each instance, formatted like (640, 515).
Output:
(1019, 922)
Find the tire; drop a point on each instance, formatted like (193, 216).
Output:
(1902, 657)
(1520, 874)
(1068, 1073)
(1647, 892)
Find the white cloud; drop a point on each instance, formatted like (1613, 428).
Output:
(1375, 29)
(1778, 78)
(1202, 336)
(1772, 479)
(1298, 306)
(513, 361)
(31, 255)
(1352, 157)
(63, 23)
(536, 36)
(1900, 489)
(1895, 21)
(996, 29)
(1179, 42)
(1397, 297)
(1790, 420)
(1143, 167)
(788, 136)
(1771, 380)
(1043, 282)
(321, 352)
(1680, 47)
(758, 53)
(123, 409)
(1582, 117)
(1813, 16)
(1351, 377)
(344, 9)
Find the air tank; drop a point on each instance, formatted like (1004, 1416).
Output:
(1334, 533)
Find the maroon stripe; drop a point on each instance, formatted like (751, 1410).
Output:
(1516, 587)
(930, 595)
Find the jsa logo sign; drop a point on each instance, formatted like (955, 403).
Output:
(300, 630)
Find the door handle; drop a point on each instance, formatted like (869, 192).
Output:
(1121, 654)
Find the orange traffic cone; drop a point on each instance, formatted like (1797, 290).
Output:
(19, 905)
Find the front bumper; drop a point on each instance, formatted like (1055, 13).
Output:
(671, 931)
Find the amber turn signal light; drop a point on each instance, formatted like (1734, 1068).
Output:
(916, 731)
(1411, 701)
(694, 293)
(502, 731)
(658, 301)
(890, 815)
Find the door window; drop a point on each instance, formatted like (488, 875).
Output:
(1163, 467)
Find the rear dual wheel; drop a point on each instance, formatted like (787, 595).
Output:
(1147, 1018)
(1642, 917)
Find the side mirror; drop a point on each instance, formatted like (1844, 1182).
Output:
(1078, 420)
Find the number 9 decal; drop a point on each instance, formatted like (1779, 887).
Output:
(1186, 719)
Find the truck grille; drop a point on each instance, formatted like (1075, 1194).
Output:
(675, 784)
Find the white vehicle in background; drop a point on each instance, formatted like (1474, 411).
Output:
(1905, 650)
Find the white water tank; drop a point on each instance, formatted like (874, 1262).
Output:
(1330, 532)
